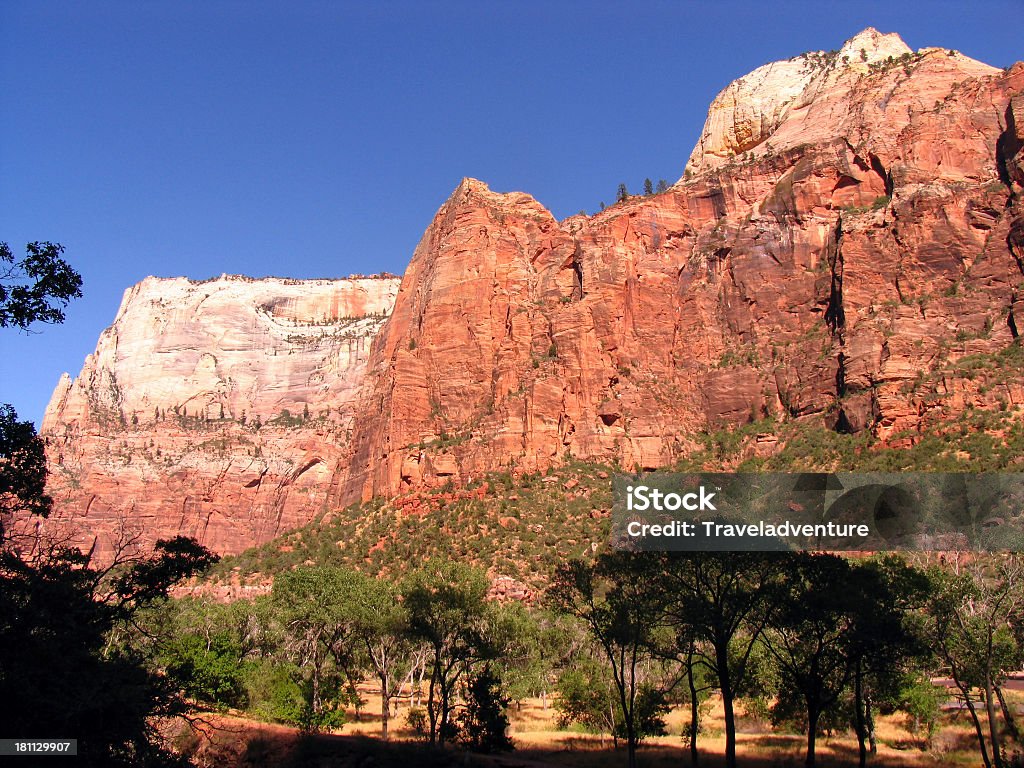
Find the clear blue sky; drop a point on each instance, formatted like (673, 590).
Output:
(317, 139)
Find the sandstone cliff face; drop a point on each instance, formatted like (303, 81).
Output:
(217, 409)
(847, 223)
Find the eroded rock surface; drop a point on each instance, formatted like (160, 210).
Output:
(218, 409)
(848, 223)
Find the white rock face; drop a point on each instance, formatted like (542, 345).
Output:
(749, 110)
(217, 409)
(222, 348)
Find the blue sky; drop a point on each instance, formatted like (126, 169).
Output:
(318, 139)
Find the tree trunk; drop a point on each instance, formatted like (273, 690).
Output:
(611, 727)
(385, 707)
(442, 731)
(432, 707)
(317, 704)
(694, 710)
(812, 735)
(993, 725)
(631, 742)
(419, 684)
(1008, 718)
(357, 702)
(869, 718)
(725, 686)
(977, 722)
(858, 703)
(627, 697)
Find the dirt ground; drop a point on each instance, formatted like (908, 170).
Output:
(231, 741)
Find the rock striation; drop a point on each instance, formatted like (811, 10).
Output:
(848, 226)
(848, 221)
(218, 409)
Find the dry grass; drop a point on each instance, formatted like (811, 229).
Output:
(535, 735)
(241, 743)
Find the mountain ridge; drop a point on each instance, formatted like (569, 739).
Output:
(832, 270)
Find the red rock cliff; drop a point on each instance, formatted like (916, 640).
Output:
(846, 222)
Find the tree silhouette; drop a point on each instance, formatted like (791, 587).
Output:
(721, 602)
(35, 288)
(484, 723)
(22, 468)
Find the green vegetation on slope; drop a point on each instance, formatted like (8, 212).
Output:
(523, 526)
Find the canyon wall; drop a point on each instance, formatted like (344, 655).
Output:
(848, 222)
(847, 228)
(219, 409)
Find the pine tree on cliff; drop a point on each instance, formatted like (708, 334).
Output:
(623, 194)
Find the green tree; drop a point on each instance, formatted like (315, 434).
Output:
(648, 187)
(484, 722)
(719, 604)
(662, 186)
(922, 700)
(274, 692)
(535, 643)
(316, 606)
(618, 601)
(975, 627)
(35, 288)
(887, 643)
(622, 194)
(382, 627)
(207, 670)
(447, 609)
(836, 621)
(684, 646)
(587, 696)
(202, 644)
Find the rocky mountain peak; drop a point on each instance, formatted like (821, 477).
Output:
(825, 95)
(870, 46)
